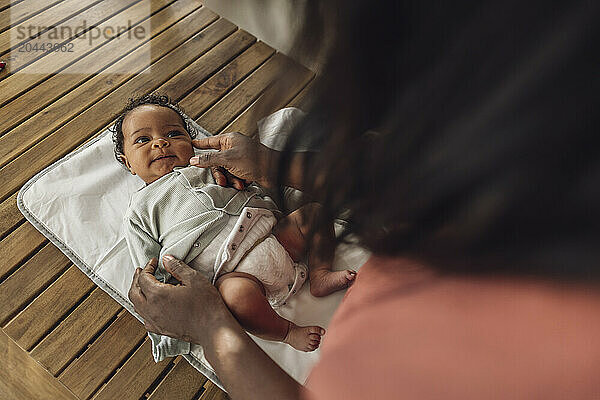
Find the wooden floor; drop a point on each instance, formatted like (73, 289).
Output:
(60, 335)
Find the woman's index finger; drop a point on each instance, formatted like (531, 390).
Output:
(211, 142)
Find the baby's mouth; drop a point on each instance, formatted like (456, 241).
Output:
(163, 157)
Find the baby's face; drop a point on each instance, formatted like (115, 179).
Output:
(154, 142)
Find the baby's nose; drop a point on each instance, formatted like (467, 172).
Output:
(160, 142)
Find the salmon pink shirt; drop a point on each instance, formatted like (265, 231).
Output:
(404, 332)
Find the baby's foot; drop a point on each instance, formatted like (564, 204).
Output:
(304, 338)
(324, 282)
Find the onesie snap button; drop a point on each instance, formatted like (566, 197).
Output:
(248, 214)
(233, 246)
(294, 291)
(302, 274)
(242, 228)
(196, 245)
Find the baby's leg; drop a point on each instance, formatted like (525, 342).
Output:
(292, 231)
(245, 297)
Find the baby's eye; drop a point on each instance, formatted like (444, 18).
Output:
(141, 139)
(175, 133)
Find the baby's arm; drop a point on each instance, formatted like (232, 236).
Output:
(143, 246)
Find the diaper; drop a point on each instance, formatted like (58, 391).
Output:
(251, 248)
(246, 245)
(271, 264)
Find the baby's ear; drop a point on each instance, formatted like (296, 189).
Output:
(126, 162)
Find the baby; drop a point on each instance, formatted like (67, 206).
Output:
(238, 239)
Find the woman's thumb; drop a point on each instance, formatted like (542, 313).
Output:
(180, 270)
(208, 158)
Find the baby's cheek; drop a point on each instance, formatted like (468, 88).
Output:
(190, 153)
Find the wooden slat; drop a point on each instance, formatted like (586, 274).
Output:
(7, 3)
(182, 382)
(26, 134)
(206, 65)
(243, 95)
(212, 392)
(91, 17)
(21, 377)
(22, 11)
(30, 279)
(77, 130)
(134, 378)
(49, 308)
(15, 84)
(303, 99)
(207, 94)
(50, 17)
(85, 375)
(13, 250)
(53, 88)
(4, 20)
(9, 214)
(277, 96)
(246, 122)
(63, 344)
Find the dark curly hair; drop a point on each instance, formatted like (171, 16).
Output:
(133, 103)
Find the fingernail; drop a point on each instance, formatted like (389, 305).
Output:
(168, 257)
(194, 160)
(322, 331)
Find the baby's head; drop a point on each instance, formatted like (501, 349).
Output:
(151, 137)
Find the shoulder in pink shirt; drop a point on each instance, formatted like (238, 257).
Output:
(404, 332)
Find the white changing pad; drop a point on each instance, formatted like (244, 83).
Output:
(79, 201)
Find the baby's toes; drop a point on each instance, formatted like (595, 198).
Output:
(350, 275)
(314, 336)
(315, 330)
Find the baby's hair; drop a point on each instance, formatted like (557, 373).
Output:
(134, 102)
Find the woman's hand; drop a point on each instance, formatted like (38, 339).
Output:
(193, 311)
(245, 159)
(189, 311)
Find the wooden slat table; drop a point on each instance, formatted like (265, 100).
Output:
(221, 76)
